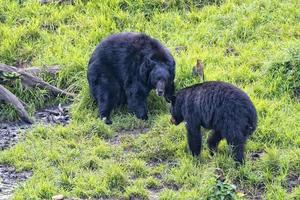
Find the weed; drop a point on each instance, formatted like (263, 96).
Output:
(224, 191)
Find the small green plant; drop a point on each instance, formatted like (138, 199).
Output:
(138, 167)
(223, 191)
(136, 191)
(116, 178)
(7, 77)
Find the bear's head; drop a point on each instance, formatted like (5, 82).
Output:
(176, 113)
(159, 76)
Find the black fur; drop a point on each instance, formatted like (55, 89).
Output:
(124, 68)
(219, 106)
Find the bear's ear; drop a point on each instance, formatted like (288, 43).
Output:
(145, 69)
(149, 63)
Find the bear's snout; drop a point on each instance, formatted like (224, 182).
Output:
(160, 88)
(159, 92)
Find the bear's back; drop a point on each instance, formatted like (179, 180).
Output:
(126, 52)
(219, 90)
(135, 45)
(216, 100)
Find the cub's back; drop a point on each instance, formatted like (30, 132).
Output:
(215, 91)
(218, 100)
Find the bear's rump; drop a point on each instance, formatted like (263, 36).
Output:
(232, 121)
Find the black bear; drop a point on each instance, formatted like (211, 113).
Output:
(219, 106)
(124, 68)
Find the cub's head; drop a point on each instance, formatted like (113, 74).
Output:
(175, 110)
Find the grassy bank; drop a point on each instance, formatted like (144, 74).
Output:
(252, 44)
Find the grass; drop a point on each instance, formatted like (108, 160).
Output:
(149, 160)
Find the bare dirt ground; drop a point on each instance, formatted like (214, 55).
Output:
(10, 179)
(10, 134)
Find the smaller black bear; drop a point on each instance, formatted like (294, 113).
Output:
(219, 106)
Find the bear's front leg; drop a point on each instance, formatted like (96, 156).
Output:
(137, 104)
(194, 138)
(139, 108)
(213, 141)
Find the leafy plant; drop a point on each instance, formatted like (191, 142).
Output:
(223, 191)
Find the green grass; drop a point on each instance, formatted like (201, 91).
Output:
(85, 159)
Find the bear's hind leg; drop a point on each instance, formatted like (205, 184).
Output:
(194, 138)
(213, 141)
(237, 143)
(105, 109)
(106, 102)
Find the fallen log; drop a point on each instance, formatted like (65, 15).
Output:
(52, 70)
(32, 81)
(10, 98)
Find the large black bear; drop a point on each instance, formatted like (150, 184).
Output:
(124, 68)
(219, 106)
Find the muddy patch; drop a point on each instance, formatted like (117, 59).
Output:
(9, 136)
(10, 179)
(291, 181)
(124, 134)
(253, 193)
(10, 131)
(154, 193)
